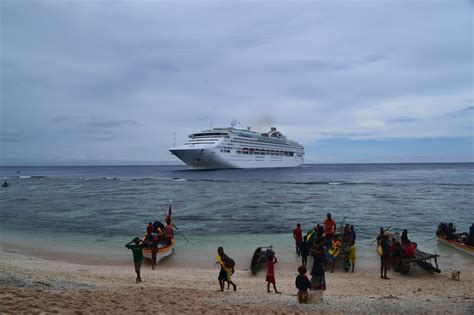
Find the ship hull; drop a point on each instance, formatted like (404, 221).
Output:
(213, 159)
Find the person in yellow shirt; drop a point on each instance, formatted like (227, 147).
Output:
(352, 254)
(227, 268)
(334, 252)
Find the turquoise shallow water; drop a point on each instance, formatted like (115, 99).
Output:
(90, 212)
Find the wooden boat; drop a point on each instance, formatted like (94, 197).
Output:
(427, 261)
(258, 258)
(457, 244)
(163, 251)
(422, 259)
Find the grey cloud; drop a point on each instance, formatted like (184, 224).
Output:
(168, 67)
(94, 124)
(12, 136)
(99, 122)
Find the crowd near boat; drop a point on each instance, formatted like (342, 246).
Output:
(326, 244)
(157, 243)
(446, 234)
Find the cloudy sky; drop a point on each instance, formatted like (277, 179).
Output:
(98, 82)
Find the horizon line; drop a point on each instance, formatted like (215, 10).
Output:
(335, 163)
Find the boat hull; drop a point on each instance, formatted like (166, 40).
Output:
(162, 253)
(462, 247)
(211, 158)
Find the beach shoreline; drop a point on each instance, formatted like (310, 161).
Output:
(35, 285)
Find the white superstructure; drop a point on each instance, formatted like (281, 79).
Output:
(230, 147)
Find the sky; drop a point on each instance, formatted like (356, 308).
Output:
(119, 82)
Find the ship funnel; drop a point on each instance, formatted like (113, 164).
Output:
(248, 128)
(273, 129)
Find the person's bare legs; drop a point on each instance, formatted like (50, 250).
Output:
(275, 288)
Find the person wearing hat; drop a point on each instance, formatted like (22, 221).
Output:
(136, 246)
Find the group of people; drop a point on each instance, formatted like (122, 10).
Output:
(325, 235)
(156, 235)
(227, 270)
(326, 246)
(449, 231)
(393, 251)
(323, 243)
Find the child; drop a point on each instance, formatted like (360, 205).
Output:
(304, 251)
(334, 251)
(227, 267)
(352, 254)
(303, 284)
(271, 261)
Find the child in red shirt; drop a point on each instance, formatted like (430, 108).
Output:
(271, 261)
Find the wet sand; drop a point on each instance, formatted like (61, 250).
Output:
(36, 285)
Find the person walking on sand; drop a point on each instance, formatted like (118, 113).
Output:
(137, 251)
(385, 258)
(297, 235)
(304, 251)
(271, 261)
(224, 261)
(303, 284)
(229, 265)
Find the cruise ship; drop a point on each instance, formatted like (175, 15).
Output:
(220, 148)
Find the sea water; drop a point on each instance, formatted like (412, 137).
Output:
(87, 214)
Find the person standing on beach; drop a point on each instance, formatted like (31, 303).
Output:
(137, 250)
(380, 236)
(385, 258)
(334, 252)
(318, 280)
(303, 285)
(329, 228)
(297, 235)
(352, 254)
(271, 261)
(304, 251)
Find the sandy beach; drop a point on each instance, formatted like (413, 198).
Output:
(36, 285)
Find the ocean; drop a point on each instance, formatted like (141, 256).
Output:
(87, 213)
